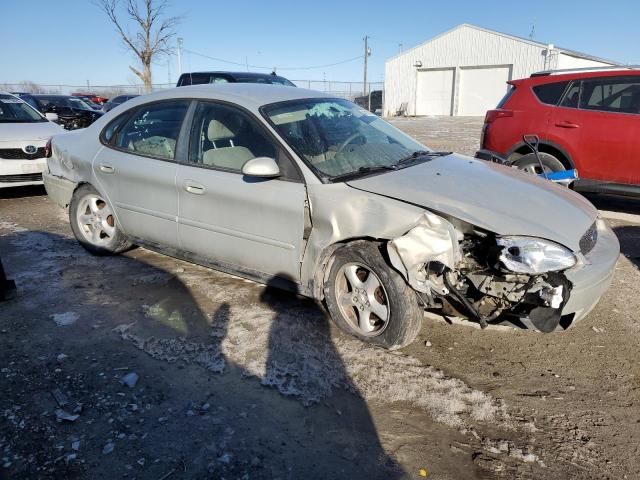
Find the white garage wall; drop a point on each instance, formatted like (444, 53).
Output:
(465, 46)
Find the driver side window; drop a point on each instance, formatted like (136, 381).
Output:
(224, 137)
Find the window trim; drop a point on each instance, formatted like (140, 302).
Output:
(281, 149)
(132, 111)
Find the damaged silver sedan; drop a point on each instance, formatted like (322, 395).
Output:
(314, 194)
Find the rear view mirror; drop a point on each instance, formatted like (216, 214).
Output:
(52, 117)
(263, 167)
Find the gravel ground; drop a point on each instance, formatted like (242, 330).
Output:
(142, 366)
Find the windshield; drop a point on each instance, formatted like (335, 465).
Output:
(338, 138)
(14, 110)
(79, 103)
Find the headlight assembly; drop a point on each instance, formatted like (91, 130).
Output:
(534, 255)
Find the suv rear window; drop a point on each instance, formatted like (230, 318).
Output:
(550, 93)
(506, 97)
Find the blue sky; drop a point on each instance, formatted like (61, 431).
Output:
(70, 41)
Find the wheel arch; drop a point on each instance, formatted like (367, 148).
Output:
(327, 257)
(545, 146)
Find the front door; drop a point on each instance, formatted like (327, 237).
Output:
(243, 222)
(137, 171)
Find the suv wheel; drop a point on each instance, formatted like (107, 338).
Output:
(369, 300)
(529, 163)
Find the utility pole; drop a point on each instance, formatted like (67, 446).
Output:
(180, 56)
(367, 52)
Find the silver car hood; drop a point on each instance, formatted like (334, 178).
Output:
(490, 196)
(24, 132)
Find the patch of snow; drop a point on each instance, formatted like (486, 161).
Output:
(65, 319)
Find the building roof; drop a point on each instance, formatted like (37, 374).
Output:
(566, 51)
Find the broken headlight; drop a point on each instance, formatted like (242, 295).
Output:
(533, 255)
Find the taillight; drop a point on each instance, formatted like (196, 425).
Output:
(493, 115)
(47, 149)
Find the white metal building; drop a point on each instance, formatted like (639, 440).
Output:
(464, 71)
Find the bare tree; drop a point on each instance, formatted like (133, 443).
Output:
(153, 30)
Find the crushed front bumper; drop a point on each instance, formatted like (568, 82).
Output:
(592, 278)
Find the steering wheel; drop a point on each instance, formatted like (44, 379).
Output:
(350, 139)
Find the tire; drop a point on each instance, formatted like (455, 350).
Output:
(94, 224)
(360, 284)
(529, 163)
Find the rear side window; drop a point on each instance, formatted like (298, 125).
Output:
(611, 95)
(153, 130)
(108, 134)
(550, 93)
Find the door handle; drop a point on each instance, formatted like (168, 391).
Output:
(566, 124)
(194, 188)
(104, 168)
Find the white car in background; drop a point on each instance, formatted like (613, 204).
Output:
(24, 133)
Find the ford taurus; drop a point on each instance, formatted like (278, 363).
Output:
(315, 194)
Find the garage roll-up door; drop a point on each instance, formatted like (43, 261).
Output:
(481, 88)
(434, 92)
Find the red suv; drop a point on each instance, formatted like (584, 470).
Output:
(588, 120)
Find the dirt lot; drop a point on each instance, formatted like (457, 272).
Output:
(235, 380)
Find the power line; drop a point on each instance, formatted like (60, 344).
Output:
(222, 60)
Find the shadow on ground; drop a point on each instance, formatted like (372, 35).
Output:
(629, 237)
(64, 355)
(614, 203)
(20, 192)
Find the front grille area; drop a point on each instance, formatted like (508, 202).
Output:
(25, 177)
(18, 154)
(589, 239)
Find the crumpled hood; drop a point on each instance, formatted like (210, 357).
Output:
(21, 132)
(490, 196)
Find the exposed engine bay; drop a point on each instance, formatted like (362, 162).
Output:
(468, 275)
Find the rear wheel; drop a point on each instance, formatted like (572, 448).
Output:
(94, 224)
(529, 163)
(369, 300)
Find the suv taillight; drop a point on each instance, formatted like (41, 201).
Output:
(492, 115)
(47, 149)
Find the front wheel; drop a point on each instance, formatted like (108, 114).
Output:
(369, 300)
(94, 224)
(530, 164)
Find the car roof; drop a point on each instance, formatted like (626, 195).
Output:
(250, 95)
(234, 74)
(540, 79)
(52, 95)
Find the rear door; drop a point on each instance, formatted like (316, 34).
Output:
(227, 218)
(137, 171)
(599, 118)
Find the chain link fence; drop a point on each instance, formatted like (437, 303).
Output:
(347, 90)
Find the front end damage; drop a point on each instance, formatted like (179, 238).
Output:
(460, 270)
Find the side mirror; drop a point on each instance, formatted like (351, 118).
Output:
(263, 167)
(52, 117)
